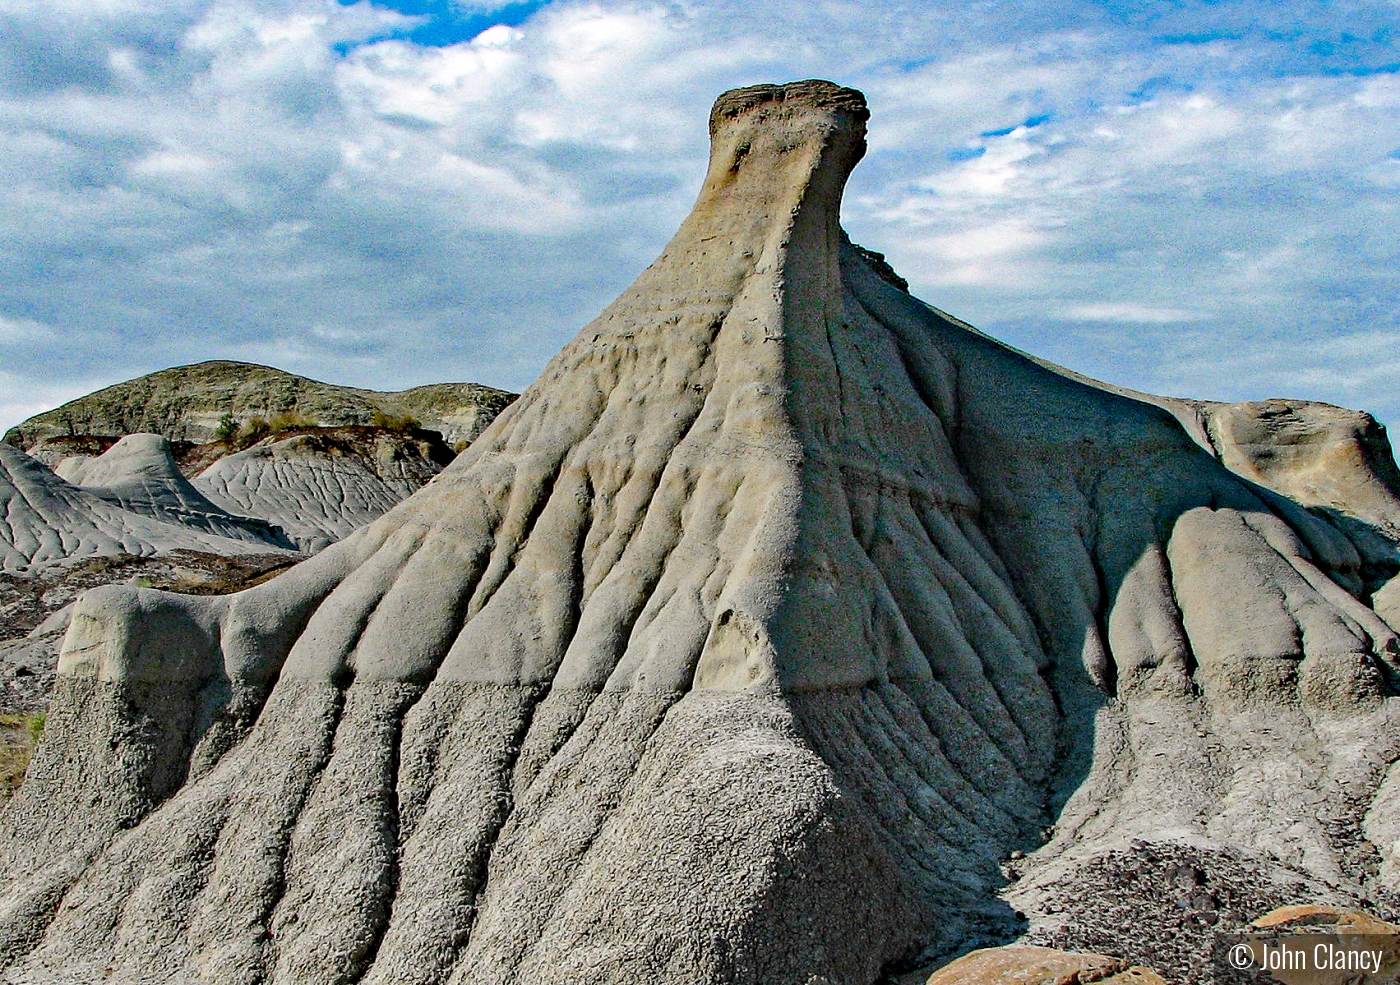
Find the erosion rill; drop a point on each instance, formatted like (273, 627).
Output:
(744, 647)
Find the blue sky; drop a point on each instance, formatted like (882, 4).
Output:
(1194, 198)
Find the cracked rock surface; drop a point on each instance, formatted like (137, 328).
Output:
(319, 487)
(139, 475)
(46, 521)
(746, 646)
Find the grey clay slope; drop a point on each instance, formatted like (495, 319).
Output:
(139, 475)
(741, 648)
(47, 522)
(314, 490)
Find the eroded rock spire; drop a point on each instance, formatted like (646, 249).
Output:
(743, 647)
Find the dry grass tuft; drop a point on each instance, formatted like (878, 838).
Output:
(19, 734)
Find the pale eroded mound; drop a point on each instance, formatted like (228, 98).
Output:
(1321, 456)
(743, 647)
(45, 521)
(317, 487)
(139, 475)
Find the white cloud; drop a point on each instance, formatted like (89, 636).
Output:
(265, 179)
(1379, 92)
(995, 172)
(23, 330)
(1129, 312)
(992, 254)
(396, 80)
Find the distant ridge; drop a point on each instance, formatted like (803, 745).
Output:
(187, 403)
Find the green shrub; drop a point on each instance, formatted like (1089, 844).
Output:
(227, 429)
(19, 734)
(254, 431)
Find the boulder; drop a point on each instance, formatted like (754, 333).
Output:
(1021, 965)
(1333, 946)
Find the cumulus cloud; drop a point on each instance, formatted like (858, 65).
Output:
(1194, 198)
(1204, 180)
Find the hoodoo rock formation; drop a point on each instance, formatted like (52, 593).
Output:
(746, 646)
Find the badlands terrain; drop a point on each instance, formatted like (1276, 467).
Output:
(786, 630)
(203, 479)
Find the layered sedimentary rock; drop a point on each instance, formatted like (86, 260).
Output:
(744, 647)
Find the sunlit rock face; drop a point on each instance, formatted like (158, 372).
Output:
(745, 646)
